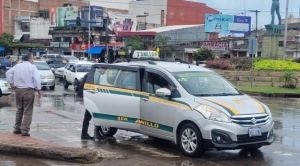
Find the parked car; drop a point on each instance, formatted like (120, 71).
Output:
(59, 72)
(47, 76)
(192, 106)
(74, 72)
(5, 64)
(69, 58)
(4, 88)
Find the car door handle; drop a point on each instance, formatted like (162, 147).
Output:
(92, 91)
(145, 99)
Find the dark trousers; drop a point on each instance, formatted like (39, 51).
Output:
(86, 122)
(24, 102)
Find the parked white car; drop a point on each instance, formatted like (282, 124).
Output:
(47, 76)
(4, 88)
(74, 72)
(59, 72)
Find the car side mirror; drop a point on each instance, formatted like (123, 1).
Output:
(162, 92)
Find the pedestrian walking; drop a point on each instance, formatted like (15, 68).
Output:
(87, 117)
(24, 78)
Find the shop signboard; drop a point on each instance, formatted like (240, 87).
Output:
(119, 22)
(96, 16)
(66, 14)
(59, 44)
(227, 23)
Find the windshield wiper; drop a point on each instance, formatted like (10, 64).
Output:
(218, 94)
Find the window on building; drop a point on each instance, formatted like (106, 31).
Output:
(25, 26)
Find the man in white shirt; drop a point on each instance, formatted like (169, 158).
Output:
(100, 76)
(24, 78)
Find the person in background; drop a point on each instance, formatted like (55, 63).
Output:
(87, 117)
(23, 79)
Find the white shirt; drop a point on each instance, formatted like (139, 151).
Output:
(24, 75)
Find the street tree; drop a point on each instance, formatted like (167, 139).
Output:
(162, 42)
(203, 54)
(136, 43)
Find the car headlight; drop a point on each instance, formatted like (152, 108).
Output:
(267, 110)
(212, 113)
(50, 76)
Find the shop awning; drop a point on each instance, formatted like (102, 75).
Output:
(94, 50)
(18, 37)
(2, 48)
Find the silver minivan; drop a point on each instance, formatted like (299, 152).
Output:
(190, 105)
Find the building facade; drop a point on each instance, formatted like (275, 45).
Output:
(170, 12)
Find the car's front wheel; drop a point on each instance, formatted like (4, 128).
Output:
(76, 83)
(52, 87)
(66, 84)
(190, 140)
(108, 131)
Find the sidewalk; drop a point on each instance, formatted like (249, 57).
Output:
(17, 144)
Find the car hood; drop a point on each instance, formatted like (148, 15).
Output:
(80, 75)
(234, 105)
(45, 72)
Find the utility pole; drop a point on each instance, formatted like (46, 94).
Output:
(106, 40)
(256, 15)
(89, 38)
(298, 34)
(285, 29)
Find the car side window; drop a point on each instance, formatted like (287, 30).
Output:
(127, 80)
(154, 81)
(104, 76)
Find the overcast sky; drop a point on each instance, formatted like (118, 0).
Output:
(238, 7)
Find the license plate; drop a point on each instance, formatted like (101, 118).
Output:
(253, 132)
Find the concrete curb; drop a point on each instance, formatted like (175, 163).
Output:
(17, 144)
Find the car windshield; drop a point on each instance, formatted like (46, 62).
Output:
(70, 58)
(42, 66)
(84, 67)
(205, 84)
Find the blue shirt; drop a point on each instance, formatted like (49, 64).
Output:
(24, 75)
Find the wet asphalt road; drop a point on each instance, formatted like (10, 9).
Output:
(59, 121)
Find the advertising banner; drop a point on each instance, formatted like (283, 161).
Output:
(52, 17)
(227, 23)
(96, 16)
(215, 46)
(65, 14)
(119, 22)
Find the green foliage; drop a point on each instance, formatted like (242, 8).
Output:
(136, 43)
(290, 81)
(203, 54)
(241, 63)
(165, 49)
(276, 65)
(7, 40)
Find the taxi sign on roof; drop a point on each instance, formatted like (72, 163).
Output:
(145, 54)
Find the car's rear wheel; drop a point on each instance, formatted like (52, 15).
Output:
(66, 84)
(190, 140)
(76, 85)
(108, 131)
(52, 87)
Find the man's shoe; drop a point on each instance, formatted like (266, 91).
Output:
(26, 134)
(86, 137)
(16, 132)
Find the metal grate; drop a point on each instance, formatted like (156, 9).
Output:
(251, 120)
